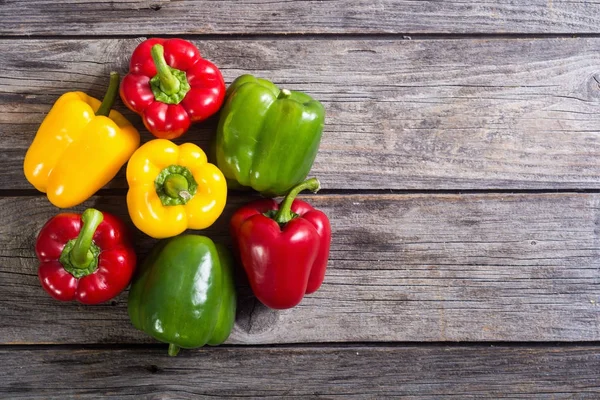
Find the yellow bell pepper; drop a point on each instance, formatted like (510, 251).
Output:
(173, 188)
(78, 149)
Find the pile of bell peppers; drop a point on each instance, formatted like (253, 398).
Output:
(183, 293)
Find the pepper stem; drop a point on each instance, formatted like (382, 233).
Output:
(81, 255)
(284, 94)
(176, 186)
(173, 349)
(110, 96)
(285, 215)
(168, 82)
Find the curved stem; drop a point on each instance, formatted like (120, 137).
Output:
(168, 82)
(110, 96)
(81, 256)
(173, 349)
(284, 215)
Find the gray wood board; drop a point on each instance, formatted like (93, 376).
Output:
(298, 372)
(402, 268)
(159, 17)
(431, 114)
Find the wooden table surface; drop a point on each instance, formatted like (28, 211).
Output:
(461, 170)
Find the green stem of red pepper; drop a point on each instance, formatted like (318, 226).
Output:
(80, 255)
(110, 96)
(169, 84)
(285, 214)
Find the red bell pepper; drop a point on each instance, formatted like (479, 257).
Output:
(170, 85)
(283, 247)
(88, 258)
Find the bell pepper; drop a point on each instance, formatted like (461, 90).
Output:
(86, 257)
(170, 85)
(173, 188)
(267, 138)
(283, 247)
(184, 293)
(79, 147)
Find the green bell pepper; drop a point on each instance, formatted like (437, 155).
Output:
(183, 294)
(267, 138)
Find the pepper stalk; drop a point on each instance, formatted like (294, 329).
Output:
(169, 85)
(175, 185)
(173, 349)
(285, 214)
(79, 257)
(110, 96)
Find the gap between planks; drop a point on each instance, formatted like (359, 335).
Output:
(312, 37)
(341, 192)
(305, 345)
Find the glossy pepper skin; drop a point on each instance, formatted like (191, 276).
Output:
(171, 86)
(173, 188)
(184, 293)
(283, 247)
(88, 257)
(267, 138)
(78, 148)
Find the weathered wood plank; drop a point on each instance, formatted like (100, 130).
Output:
(433, 114)
(155, 17)
(402, 268)
(345, 372)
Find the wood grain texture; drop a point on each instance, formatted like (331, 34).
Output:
(402, 268)
(156, 17)
(432, 114)
(336, 372)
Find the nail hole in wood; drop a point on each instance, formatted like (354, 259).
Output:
(152, 368)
